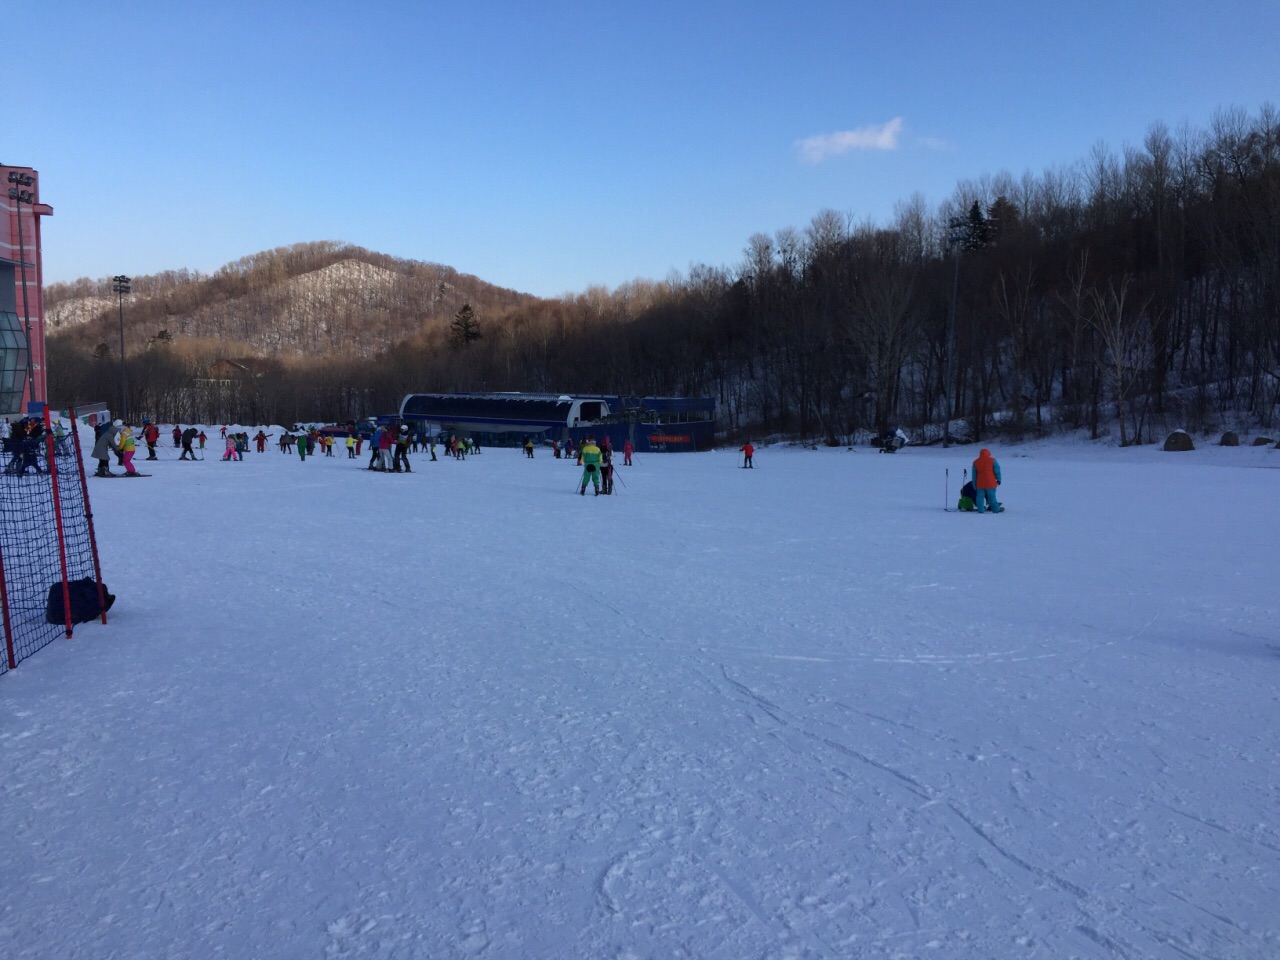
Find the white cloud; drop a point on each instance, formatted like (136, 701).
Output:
(825, 145)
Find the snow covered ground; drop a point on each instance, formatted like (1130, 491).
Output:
(796, 711)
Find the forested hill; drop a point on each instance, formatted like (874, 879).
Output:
(307, 300)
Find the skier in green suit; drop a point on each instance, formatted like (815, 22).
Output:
(589, 457)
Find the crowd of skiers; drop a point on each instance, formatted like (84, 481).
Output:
(390, 447)
(25, 442)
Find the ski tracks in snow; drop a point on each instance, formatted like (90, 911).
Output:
(1038, 891)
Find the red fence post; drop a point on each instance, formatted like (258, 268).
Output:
(57, 516)
(88, 513)
(8, 626)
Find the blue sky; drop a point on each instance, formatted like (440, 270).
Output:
(552, 146)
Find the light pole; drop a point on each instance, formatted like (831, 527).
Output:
(20, 196)
(957, 239)
(120, 285)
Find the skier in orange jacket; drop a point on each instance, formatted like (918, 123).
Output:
(986, 477)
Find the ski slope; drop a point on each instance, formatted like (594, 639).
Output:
(791, 712)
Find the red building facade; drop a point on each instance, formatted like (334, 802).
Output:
(20, 214)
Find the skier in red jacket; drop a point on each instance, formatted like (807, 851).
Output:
(151, 434)
(747, 450)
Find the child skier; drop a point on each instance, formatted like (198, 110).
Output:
(127, 447)
(606, 471)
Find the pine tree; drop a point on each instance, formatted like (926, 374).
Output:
(465, 327)
(1003, 218)
(978, 229)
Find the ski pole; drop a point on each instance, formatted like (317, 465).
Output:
(946, 494)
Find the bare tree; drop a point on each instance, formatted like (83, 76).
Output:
(1122, 326)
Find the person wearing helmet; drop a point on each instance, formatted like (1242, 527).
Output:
(402, 450)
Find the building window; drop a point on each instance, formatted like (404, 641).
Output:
(13, 362)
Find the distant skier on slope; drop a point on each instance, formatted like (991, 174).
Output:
(747, 451)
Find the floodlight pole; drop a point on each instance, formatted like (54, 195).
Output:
(19, 197)
(120, 284)
(957, 233)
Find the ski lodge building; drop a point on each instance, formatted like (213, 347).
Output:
(22, 357)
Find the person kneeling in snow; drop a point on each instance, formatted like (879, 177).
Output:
(893, 440)
(967, 497)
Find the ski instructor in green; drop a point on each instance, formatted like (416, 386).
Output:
(589, 456)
